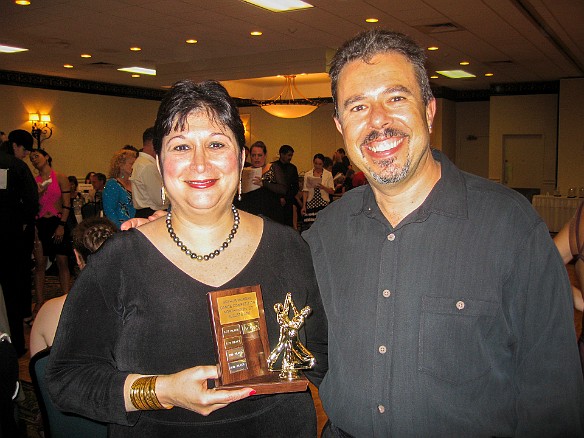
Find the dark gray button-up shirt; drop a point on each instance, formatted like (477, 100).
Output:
(457, 322)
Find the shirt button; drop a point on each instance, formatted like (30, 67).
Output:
(460, 305)
(381, 409)
(391, 237)
(382, 349)
(386, 293)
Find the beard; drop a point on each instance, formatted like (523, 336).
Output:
(387, 172)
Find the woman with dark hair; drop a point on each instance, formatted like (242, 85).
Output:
(88, 177)
(147, 342)
(260, 200)
(53, 233)
(117, 194)
(318, 186)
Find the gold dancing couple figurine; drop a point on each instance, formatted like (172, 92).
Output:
(295, 356)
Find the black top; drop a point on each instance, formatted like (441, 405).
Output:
(19, 198)
(132, 311)
(458, 322)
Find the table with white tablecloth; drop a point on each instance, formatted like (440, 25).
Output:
(555, 210)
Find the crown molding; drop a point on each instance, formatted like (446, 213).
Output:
(83, 86)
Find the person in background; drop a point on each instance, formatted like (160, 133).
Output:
(98, 182)
(117, 194)
(570, 244)
(3, 137)
(146, 179)
(285, 184)
(449, 308)
(73, 184)
(147, 342)
(19, 204)
(261, 201)
(131, 148)
(341, 162)
(53, 232)
(88, 177)
(315, 198)
(88, 237)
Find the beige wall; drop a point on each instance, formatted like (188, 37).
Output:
(524, 115)
(87, 128)
(571, 135)
(472, 137)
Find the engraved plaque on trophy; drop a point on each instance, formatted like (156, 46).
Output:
(241, 343)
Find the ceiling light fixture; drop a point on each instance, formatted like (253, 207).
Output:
(285, 104)
(191, 41)
(255, 33)
(455, 74)
(432, 48)
(489, 74)
(22, 2)
(10, 49)
(371, 20)
(135, 49)
(85, 55)
(434, 77)
(139, 70)
(68, 66)
(280, 5)
(464, 63)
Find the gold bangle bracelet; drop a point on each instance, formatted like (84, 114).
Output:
(143, 394)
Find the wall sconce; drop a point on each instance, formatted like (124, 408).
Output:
(38, 129)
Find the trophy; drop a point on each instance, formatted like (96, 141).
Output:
(242, 346)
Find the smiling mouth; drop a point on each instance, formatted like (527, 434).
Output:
(384, 145)
(202, 183)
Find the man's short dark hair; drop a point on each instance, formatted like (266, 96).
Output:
(21, 138)
(101, 177)
(148, 135)
(367, 44)
(286, 148)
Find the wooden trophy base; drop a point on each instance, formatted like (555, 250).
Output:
(270, 384)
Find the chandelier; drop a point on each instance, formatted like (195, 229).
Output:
(290, 103)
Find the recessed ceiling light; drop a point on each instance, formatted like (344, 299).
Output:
(432, 48)
(86, 55)
(280, 5)
(135, 76)
(139, 70)
(191, 41)
(255, 33)
(22, 2)
(135, 49)
(68, 66)
(371, 20)
(434, 77)
(455, 74)
(489, 74)
(10, 49)
(464, 63)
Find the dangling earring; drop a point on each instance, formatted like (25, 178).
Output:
(163, 194)
(239, 191)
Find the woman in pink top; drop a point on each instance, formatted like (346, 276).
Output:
(53, 235)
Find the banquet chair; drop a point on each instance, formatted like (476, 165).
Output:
(57, 424)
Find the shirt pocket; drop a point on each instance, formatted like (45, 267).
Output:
(451, 342)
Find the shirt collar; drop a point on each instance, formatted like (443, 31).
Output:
(447, 198)
(148, 157)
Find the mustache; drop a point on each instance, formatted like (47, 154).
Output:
(387, 132)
